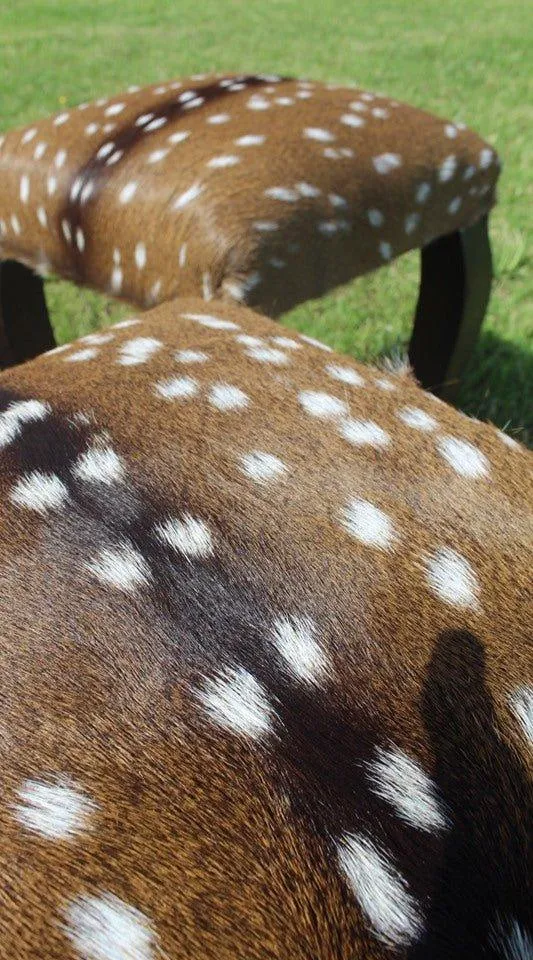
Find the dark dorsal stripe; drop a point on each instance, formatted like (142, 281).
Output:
(98, 169)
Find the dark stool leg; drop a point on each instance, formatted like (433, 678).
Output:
(25, 329)
(454, 292)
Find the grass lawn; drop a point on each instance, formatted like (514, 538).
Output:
(466, 61)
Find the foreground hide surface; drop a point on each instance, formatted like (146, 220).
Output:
(265, 663)
(250, 188)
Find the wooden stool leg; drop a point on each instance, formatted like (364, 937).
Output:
(455, 285)
(25, 329)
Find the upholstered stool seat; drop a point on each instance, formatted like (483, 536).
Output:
(250, 188)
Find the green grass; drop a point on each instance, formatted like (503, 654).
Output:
(467, 61)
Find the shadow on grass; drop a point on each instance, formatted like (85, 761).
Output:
(498, 386)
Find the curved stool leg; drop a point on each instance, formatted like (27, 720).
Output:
(455, 286)
(25, 329)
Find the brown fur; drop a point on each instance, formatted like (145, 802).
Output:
(95, 241)
(224, 843)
